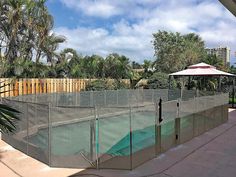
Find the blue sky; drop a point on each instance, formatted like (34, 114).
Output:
(126, 26)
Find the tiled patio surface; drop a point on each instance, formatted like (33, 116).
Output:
(212, 154)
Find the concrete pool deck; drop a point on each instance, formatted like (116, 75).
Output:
(211, 154)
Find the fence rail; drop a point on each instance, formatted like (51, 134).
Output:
(16, 87)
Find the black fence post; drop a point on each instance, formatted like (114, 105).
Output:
(158, 127)
(160, 111)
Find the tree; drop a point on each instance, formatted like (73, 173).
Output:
(233, 69)
(117, 67)
(194, 50)
(147, 65)
(159, 80)
(168, 48)
(175, 52)
(104, 84)
(50, 46)
(136, 65)
(26, 32)
(214, 61)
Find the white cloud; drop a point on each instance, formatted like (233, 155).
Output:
(207, 18)
(95, 8)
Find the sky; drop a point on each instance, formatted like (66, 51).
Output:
(126, 26)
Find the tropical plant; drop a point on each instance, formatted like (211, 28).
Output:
(158, 80)
(26, 33)
(8, 116)
(148, 71)
(106, 84)
(214, 61)
(117, 67)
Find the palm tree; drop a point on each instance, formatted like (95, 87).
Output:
(11, 27)
(50, 46)
(214, 61)
(26, 31)
(117, 67)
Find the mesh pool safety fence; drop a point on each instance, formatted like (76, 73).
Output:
(119, 129)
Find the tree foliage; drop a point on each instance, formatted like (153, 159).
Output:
(214, 61)
(26, 33)
(159, 80)
(8, 115)
(104, 84)
(174, 51)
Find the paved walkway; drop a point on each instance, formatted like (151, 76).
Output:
(14, 163)
(211, 154)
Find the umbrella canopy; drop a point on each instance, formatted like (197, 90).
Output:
(201, 69)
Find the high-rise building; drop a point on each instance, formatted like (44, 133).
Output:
(221, 52)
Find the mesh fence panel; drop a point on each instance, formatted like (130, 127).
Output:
(169, 111)
(99, 98)
(186, 112)
(199, 123)
(123, 97)
(186, 128)
(187, 108)
(161, 93)
(85, 99)
(38, 131)
(143, 134)
(111, 98)
(18, 139)
(114, 138)
(135, 98)
(174, 94)
(73, 137)
(66, 99)
(188, 94)
(42, 98)
(218, 116)
(209, 119)
(148, 95)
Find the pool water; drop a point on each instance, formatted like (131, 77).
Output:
(113, 135)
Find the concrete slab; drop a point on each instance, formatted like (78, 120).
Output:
(15, 163)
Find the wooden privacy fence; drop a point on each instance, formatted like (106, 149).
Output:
(15, 87)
